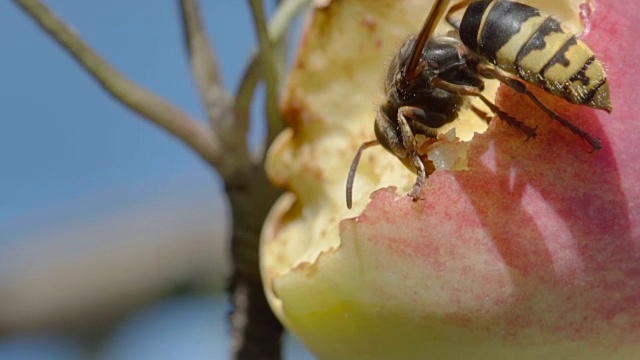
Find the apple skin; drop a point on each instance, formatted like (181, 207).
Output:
(533, 252)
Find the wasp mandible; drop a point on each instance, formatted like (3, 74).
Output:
(430, 77)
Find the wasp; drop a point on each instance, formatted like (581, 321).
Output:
(430, 78)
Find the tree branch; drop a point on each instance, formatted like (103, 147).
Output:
(270, 71)
(217, 101)
(136, 98)
(255, 331)
(277, 28)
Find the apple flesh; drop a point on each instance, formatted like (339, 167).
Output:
(532, 252)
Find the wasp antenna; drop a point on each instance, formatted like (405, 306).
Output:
(354, 167)
(437, 12)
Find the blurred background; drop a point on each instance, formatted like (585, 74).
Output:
(112, 233)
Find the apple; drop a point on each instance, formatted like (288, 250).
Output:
(530, 251)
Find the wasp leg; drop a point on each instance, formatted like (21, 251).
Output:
(412, 114)
(410, 70)
(467, 90)
(481, 113)
(516, 84)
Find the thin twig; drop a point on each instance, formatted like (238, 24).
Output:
(244, 96)
(278, 27)
(216, 100)
(136, 98)
(270, 71)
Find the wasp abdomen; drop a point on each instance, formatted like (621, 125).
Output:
(522, 40)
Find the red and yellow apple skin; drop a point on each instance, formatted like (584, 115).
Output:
(532, 252)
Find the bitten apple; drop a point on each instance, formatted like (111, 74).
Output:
(530, 252)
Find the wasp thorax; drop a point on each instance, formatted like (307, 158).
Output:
(432, 78)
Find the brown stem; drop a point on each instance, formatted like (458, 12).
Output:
(255, 330)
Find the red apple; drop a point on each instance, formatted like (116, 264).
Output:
(532, 252)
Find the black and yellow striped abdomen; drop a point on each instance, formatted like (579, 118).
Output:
(522, 40)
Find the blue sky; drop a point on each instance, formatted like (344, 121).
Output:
(65, 144)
